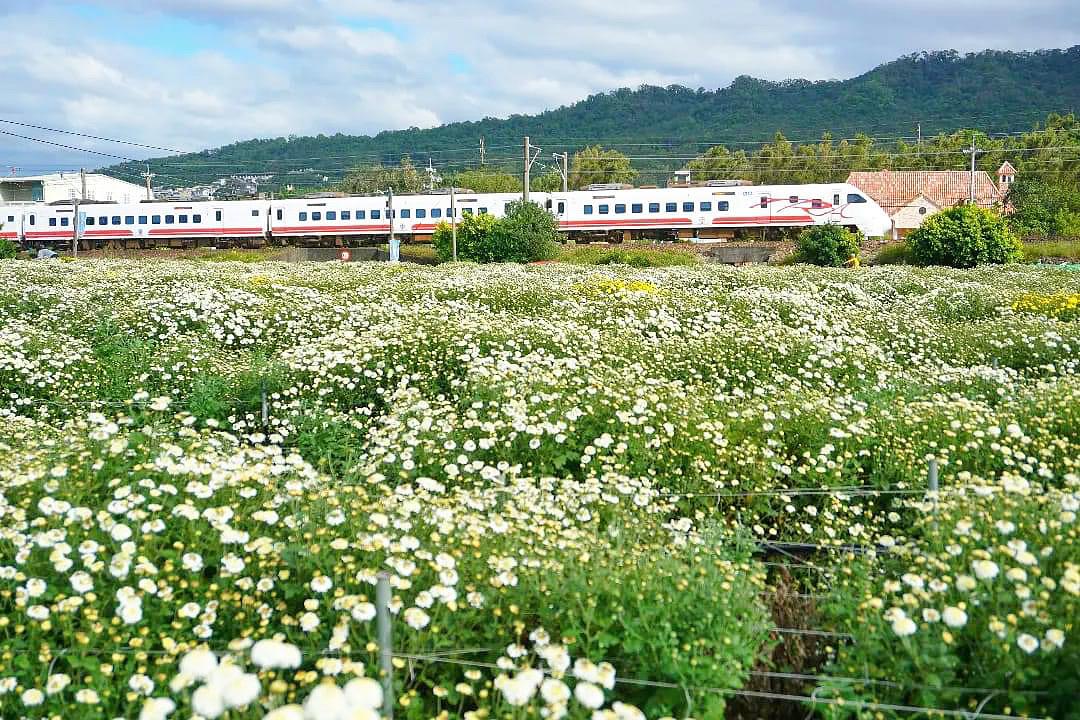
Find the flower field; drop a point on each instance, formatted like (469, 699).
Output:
(598, 492)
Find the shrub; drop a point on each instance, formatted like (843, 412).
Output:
(898, 253)
(526, 233)
(8, 250)
(828, 245)
(964, 236)
(472, 234)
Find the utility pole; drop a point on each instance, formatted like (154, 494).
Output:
(529, 160)
(148, 175)
(453, 225)
(482, 151)
(971, 185)
(564, 167)
(392, 245)
(75, 230)
(82, 175)
(918, 129)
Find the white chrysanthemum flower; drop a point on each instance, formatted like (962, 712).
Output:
(321, 584)
(198, 664)
(589, 695)
(32, 697)
(554, 692)
(309, 621)
(157, 708)
(1027, 643)
(363, 612)
(207, 701)
(364, 693)
(1055, 637)
(286, 712)
(274, 654)
(416, 618)
(904, 626)
(325, 701)
(985, 569)
(954, 617)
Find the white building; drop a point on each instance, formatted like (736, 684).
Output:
(69, 186)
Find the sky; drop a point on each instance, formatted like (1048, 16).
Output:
(193, 74)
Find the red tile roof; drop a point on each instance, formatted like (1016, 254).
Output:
(1006, 169)
(895, 189)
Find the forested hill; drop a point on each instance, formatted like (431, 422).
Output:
(992, 91)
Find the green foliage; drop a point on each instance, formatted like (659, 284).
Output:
(964, 236)
(486, 180)
(526, 233)
(8, 249)
(1044, 209)
(1004, 86)
(828, 245)
(898, 253)
(404, 179)
(634, 257)
(594, 164)
(1059, 249)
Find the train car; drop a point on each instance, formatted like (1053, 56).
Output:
(713, 212)
(352, 220)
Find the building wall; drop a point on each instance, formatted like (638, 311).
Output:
(909, 217)
(98, 187)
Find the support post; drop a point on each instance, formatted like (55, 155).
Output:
(453, 225)
(932, 485)
(82, 177)
(75, 229)
(971, 187)
(384, 637)
(392, 247)
(265, 406)
(528, 157)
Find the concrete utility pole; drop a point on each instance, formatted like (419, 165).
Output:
(529, 160)
(392, 245)
(148, 175)
(564, 168)
(453, 225)
(82, 175)
(918, 129)
(75, 230)
(971, 186)
(482, 151)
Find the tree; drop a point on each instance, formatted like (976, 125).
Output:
(403, 180)
(719, 163)
(486, 181)
(472, 238)
(1042, 208)
(526, 233)
(594, 164)
(828, 245)
(964, 236)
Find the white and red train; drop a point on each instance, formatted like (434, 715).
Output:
(598, 213)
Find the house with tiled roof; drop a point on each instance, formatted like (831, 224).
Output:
(911, 196)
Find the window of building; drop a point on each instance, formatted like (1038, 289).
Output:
(436, 212)
(375, 214)
(217, 215)
(854, 198)
(922, 210)
(637, 208)
(64, 222)
(183, 219)
(331, 215)
(620, 209)
(421, 213)
(303, 216)
(170, 219)
(722, 206)
(671, 207)
(588, 209)
(52, 222)
(129, 220)
(654, 207)
(142, 219)
(705, 207)
(115, 219)
(316, 216)
(155, 219)
(562, 207)
(603, 209)
(196, 218)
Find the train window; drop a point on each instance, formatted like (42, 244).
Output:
(637, 207)
(620, 209)
(303, 216)
(562, 207)
(280, 214)
(115, 219)
(331, 215)
(361, 214)
(155, 219)
(406, 213)
(588, 209)
(254, 213)
(142, 219)
(481, 211)
(603, 209)
(835, 200)
(52, 222)
(705, 207)
(764, 201)
(853, 198)
(375, 214)
(466, 211)
(129, 220)
(183, 219)
(102, 220)
(11, 218)
(196, 218)
(346, 214)
(170, 219)
(816, 203)
(688, 207)
(89, 221)
(436, 212)
(722, 205)
(793, 199)
(31, 219)
(450, 212)
(64, 222)
(217, 215)
(671, 207)
(421, 213)
(316, 216)
(654, 207)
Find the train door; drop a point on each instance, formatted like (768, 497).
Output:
(218, 222)
(764, 209)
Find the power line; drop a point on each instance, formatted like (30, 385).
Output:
(67, 147)
(92, 137)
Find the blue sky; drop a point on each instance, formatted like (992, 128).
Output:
(193, 74)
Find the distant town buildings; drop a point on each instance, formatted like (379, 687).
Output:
(911, 196)
(57, 187)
